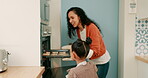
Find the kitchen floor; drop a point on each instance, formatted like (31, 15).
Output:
(59, 72)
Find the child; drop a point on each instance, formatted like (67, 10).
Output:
(83, 69)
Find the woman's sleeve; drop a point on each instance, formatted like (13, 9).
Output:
(97, 44)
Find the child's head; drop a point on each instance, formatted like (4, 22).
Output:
(81, 48)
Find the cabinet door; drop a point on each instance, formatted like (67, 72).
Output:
(44, 9)
(142, 11)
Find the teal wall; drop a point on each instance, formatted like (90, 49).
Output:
(105, 13)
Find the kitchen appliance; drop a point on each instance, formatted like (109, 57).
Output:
(3, 60)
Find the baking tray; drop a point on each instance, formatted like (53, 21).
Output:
(57, 53)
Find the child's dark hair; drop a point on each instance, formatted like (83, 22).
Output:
(81, 47)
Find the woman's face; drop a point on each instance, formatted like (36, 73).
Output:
(74, 19)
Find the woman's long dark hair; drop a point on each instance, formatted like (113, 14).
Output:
(83, 18)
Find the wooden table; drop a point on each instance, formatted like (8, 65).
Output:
(23, 72)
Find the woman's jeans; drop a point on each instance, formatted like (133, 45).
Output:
(102, 70)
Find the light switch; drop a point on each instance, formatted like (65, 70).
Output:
(132, 6)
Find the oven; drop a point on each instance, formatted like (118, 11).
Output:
(45, 44)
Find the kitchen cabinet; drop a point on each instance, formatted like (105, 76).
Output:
(44, 10)
(45, 29)
(142, 69)
(142, 11)
(142, 66)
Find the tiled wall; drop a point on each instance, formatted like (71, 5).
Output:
(141, 43)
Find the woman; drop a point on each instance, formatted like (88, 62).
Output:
(79, 23)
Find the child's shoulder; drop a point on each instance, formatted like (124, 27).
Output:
(82, 67)
(92, 63)
(71, 69)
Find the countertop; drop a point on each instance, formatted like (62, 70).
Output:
(23, 72)
(142, 58)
